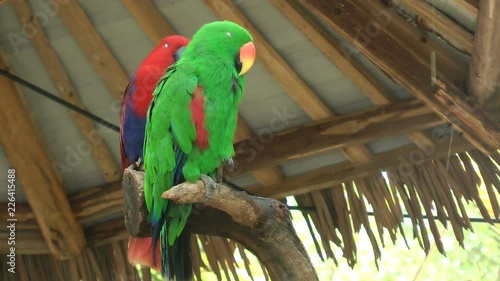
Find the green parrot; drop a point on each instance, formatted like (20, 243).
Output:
(189, 131)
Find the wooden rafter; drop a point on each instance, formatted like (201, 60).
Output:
(283, 73)
(484, 71)
(380, 20)
(298, 16)
(100, 151)
(472, 3)
(411, 72)
(156, 26)
(430, 19)
(27, 154)
(94, 47)
(336, 133)
(337, 174)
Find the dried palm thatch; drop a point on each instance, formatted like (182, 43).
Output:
(431, 191)
(434, 190)
(106, 262)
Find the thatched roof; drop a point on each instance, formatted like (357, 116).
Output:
(348, 109)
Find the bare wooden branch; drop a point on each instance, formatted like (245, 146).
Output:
(46, 194)
(484, 70)
(260, 224)
(133, 208)
(246, 212)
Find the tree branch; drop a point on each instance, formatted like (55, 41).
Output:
(262, 225)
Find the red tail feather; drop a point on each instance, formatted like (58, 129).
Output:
(140, 252)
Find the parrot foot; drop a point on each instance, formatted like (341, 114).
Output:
(138, 164)
(229, 161)
(219, 174)
(209, 185)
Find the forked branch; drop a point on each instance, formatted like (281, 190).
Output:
(262, 225)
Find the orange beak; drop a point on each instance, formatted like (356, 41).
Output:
(247, 57)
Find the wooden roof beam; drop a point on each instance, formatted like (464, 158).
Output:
(157, 27)
(299, 17)
(411, 72)
(472, 3)
(430, 19)
(484, 70)
(336, 133)
(98, 53)
(98, 148)
(333, 175)
(283, 73)
(27, 154)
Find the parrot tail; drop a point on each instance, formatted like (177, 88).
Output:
(181, 258)
(140, 252)
(176, 260)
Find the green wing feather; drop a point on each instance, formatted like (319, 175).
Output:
(168, 123)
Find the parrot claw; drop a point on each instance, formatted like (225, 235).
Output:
(209, 185)
(229, 161)
(219, 174)
(138, 165)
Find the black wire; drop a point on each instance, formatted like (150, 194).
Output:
(58, 100)
(113, 127)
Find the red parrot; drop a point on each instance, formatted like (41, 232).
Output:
(134, 107)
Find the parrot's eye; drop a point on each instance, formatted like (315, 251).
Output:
(229, 34)
(237, 63)
(166, 45)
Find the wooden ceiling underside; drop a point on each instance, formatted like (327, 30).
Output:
(394, 45)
